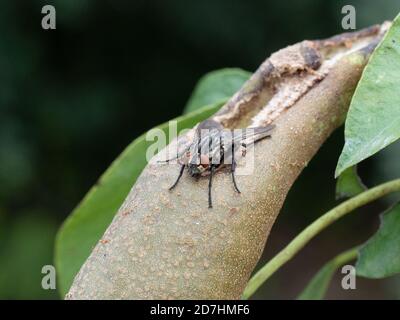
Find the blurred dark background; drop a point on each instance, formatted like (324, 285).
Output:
(72, 98)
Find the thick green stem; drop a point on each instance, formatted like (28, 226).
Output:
(313, 229)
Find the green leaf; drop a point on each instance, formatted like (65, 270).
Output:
(349, 184)
(317, 287)
(215, 86)
(87, 223)
(380, 257)
(373, 120)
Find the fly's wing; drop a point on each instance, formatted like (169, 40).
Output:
(178, 150)
(252, 135)
(236, 139)
(247, 136)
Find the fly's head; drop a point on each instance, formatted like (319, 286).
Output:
(198, 165)
(194, 170)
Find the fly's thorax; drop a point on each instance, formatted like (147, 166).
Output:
(209, 125)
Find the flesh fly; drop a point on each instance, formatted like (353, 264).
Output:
(214, 147)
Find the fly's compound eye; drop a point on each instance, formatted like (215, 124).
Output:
(204, 161)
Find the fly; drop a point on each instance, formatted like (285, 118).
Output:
(214, 147)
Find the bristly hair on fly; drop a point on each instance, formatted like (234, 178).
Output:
(214, 147)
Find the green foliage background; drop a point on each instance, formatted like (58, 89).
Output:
(72, 99)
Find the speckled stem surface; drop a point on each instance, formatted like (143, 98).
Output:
(169, 245)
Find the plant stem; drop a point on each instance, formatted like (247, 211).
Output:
(346, 256)
(313, 229)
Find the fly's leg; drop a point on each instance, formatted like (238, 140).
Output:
(168, 160)
(179, 177)
(209, 186)
(244, 150)
(233, 168)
